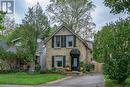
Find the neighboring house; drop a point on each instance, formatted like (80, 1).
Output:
(65, 48)
(4, 44)
(40, 53)
(3, 63)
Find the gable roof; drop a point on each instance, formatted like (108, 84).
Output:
(70, 30)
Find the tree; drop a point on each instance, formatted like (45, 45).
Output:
(28, 41)
(36, 26)
(9, 24)
(38, 20)
(111, 46)
(2, 15)
(14, 34)
(118, 6)
(75, 13)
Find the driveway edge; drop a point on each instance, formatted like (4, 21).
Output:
(52, 82)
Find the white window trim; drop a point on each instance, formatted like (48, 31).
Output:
(55, 42)
(55, 64)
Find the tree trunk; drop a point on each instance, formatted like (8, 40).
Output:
(32, 67)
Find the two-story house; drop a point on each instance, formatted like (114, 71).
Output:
(65, 48)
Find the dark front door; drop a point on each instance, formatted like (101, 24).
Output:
(75, 63)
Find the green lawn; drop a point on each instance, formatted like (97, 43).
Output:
(27, 79)
(128, 80)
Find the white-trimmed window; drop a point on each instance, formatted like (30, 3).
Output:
(70, 41)
(57, 41)
(58, 61)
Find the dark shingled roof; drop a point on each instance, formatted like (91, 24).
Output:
(75, 52)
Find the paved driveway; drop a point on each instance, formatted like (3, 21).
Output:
(95, 80)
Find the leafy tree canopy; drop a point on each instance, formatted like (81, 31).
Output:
(75, 13)
(2, 14)
(111, 46)
(114, 37)
(118, 6)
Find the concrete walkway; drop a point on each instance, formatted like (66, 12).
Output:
(93, 80)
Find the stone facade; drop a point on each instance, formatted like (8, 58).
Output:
(85, 54)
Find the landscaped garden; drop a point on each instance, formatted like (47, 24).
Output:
(22, 78)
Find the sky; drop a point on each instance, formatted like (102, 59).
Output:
(101, 14)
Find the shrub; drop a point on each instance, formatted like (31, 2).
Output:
(89, 67)
(82, 67)
(9, 71)
(68, 68)
(129, 68)
(117, 67)
(109, 82)
(37, 67)
(86, 67)
(54, 70)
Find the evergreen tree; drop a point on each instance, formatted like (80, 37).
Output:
(38, 20)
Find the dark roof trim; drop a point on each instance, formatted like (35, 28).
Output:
(16, 39)
(72, 31)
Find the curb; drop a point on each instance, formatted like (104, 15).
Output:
(52, 82)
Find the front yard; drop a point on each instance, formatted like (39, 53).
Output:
(27, 79)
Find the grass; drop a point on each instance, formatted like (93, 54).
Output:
(128, 81)
(27, 79)
(110, 83)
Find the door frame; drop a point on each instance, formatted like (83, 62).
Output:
(72, 62)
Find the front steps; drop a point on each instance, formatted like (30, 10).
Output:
(74, 73)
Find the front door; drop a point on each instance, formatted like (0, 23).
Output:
(75, 64)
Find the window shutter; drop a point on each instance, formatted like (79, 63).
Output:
(52, 61)
(53, 42)
(74, 41)
(64, 61)
(63, 41)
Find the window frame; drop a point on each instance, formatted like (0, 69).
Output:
(67, 41)
(67, 44)
(56, 59)
(55, 41)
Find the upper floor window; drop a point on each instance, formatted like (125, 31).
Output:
(61, 41)
(57, 41)
(70, 41)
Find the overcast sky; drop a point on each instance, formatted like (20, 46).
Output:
(100, 16)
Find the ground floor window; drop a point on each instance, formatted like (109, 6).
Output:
(58, 61)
